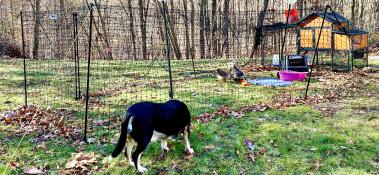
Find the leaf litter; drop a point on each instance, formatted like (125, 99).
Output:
(81, 163)
(330, 86)
(47, 122)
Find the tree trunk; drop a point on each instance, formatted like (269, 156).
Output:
(301, 7)
(103, 27)
(173, 37)
(162, 32)
(187, 31)
(172, 33)
(258, 32)
(13, 21)
(131, 25)
(361, 23)
(193, 53)
(214, 28)
(132, 32)
(353, 3)
(220, 27)
(207, 31)
(60, 28)
(99, 50)
(202, 28)
(143, 28)
(226, 28)
(36, 28)
(247, 28)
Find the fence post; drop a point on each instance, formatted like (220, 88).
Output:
(88, 70)
(164, 3)
(24, 57)
(76, 56)
(316, 52)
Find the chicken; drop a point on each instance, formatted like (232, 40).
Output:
(236, 74)
(222, 75)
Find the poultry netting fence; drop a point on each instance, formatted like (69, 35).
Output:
(129, 61)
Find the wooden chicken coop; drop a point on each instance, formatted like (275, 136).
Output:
(352, 43)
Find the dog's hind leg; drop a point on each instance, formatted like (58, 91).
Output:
(128, 151)
(141, 146)
(186, 140)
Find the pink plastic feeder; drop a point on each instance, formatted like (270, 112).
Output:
(292, 76)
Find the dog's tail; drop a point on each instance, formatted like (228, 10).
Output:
(126, 128)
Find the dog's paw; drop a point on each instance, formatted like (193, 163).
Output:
(165, 149)
(190, 151)
(131, 164)
(142, 170)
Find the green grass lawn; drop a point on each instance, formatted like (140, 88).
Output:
(295, 140)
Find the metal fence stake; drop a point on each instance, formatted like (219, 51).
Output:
(88, 71)
(75, 30)
(171, 92)
(316, 52)
(24, 56)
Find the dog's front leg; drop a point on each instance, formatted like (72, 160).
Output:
(186, 140)
(164, 145)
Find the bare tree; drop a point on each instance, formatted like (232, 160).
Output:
(353, 3)
(143, 27)
(207, 31)
(258, 31)
(103, 27)
(131, 25)
(60, 28)
(186, 28)
(36, 33)
(214, 28)
(193, 53)
(226, 28)
(202, 28)
(173, 37)
(362, 12)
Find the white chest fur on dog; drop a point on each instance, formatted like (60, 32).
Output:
(157, 136)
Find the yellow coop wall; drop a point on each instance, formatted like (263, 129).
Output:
(317, 23)
(360, 41)
(306, 39)
(341, 42)
(325, 39)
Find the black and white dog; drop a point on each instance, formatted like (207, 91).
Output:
(147, 121)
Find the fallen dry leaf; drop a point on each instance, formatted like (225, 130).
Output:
(81, 163)
(32, 170)
(209, 147)
(161, 172)
(71, 164)
(236, 114)
(14, 165)
(254, 155)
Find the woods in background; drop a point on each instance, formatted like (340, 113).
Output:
(133, 29)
